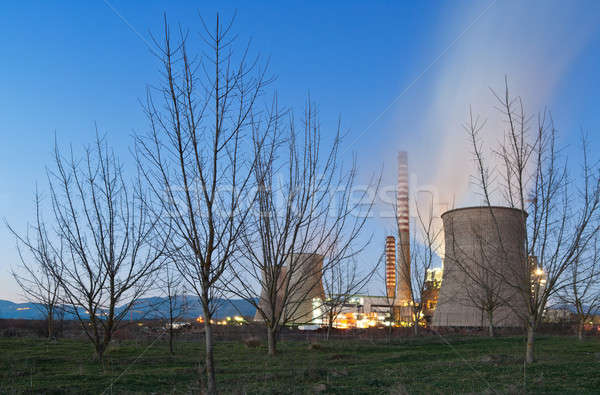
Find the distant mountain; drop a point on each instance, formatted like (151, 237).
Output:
(149, 308)
(19, 310)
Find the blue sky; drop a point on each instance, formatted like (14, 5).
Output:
(400, 75)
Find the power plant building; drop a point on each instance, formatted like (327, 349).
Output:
(484, 252)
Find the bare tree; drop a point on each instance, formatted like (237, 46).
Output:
(484, 288)
(389, 296)
(583, 289)
(426, 240)
(558, 209)
(106, 230)
(196, 156)
(304, 206)
(35, 274)
(342, 281)
(174, 306)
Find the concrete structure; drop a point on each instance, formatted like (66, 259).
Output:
(305, 290)
(403, 294)
(390, 267)
(489, 240)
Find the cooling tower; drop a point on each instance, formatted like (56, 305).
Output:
(485, 252)
(305, 287)
(264, 302)
(390, 267)
(307, 294)
(403, 295)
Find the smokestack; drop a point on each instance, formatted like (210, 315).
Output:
(390, 267)
(403, 291)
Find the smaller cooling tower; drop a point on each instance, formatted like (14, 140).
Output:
(305, 286)
(485, 252)
(264, 301)
(390, 267)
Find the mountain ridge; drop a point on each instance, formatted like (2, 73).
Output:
(155, 307)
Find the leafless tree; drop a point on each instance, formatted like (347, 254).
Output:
(484, 288)
(174, 306)
(558, 208)
(583, 290)
(424, 248)
(196, 156)
(341, 283)
(306, 204)
(388, 298)
(35, 276)
(106, 229)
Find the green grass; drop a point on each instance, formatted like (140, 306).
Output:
(419, 365)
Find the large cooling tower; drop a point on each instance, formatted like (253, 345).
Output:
(390, 267)
(484, 255)
(305, 286)
(403, 295)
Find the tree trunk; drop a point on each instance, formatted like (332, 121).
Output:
(580, 329)
(100, 351)
(50, 324)
(272, 341)
(490, 323)
(171, 339)
(329, 326)
(211, 385)
(529, 357)
(416, 327)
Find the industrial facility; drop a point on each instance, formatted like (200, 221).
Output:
(483, 250)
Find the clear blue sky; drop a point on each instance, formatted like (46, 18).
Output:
(401, 76)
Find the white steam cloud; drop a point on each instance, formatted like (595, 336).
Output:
(532, 43)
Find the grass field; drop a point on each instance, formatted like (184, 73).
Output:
(413, 365)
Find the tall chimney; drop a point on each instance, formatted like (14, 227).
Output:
(390, 267)
(403, 291)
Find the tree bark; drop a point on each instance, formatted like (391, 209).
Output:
(580, 329)
(100, 351)
(329, 325)
(529, 354)
(416, 327)
(490, 323)
(50, 324)
(211, 385)
(272, 341)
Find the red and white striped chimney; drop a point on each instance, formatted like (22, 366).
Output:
(390, 267)
(403, 294)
